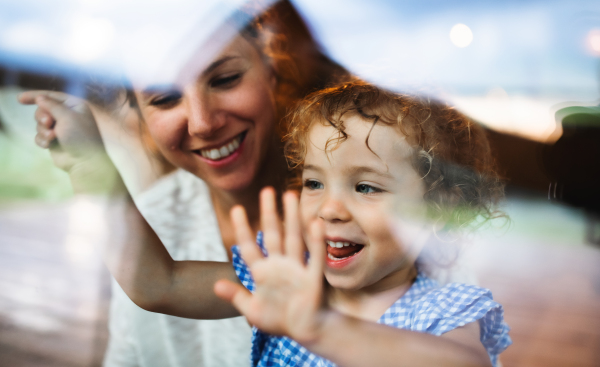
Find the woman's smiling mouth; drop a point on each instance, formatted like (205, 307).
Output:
(224, 151)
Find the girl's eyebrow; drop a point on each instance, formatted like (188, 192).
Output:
(312, 168)
(368, 169)
(353, 170)
(153, 89)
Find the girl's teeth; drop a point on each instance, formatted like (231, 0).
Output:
(331, 257)
(340, 244)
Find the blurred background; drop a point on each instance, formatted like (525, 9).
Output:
(528, 71)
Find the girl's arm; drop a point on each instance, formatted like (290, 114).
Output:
(132, 251)
(288, 301)
(350, 342)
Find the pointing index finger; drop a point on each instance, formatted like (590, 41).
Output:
(30, 97)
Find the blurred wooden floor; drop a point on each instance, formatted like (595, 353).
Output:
(54, 293)
(551, 298)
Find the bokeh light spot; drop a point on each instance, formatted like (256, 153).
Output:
(593, 42)
(461, 35)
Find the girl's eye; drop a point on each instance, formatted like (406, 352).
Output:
(313, 185)
(226, 81)
(367, 189)
(167, 99)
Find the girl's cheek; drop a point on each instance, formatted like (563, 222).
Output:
(308, 209)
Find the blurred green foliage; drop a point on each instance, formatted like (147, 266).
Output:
(28, 173)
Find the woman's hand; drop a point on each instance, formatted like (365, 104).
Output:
(288, 299)
(66, 126)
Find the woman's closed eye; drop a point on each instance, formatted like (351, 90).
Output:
(225, 81)
(312, 184)
(166, 100)
(367, 189)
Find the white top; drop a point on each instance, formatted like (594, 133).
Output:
(179, 209)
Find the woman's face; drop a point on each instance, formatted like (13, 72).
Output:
(221, 127)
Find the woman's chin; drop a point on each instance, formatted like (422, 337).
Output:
(233, 183)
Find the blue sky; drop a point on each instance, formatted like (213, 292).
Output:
(533, 48)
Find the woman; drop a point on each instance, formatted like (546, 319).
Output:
(224, 129)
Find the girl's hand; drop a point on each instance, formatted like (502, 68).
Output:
(289, 293)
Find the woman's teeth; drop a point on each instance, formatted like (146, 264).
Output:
(224, 151)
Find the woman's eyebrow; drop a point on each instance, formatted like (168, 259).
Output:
(153, 89)
(218, 63)
(158, 88)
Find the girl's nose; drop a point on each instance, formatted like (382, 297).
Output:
(203, 114)
(334, 210)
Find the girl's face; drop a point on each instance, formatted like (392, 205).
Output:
(353, 191)
(221, 127)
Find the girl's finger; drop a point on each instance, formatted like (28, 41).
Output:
(234, 293)
(316, 247)
(294, 245)
(270, 223)
(244, 236)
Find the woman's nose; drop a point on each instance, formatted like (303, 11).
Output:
(203, 114)
(334, 210)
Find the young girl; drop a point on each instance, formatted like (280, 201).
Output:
(364, 153)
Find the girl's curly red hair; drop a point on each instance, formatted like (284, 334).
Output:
(451, 152)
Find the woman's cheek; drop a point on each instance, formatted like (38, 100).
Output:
(167, 134)
(255, 103)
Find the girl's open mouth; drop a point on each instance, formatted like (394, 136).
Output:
(339, 253)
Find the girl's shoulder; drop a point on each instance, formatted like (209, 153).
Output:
(426, 307)
(445, 308)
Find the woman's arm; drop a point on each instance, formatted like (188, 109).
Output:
(150, 277)
(132, 251)
(288, 301)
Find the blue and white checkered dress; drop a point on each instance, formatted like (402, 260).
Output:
(425, 307)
